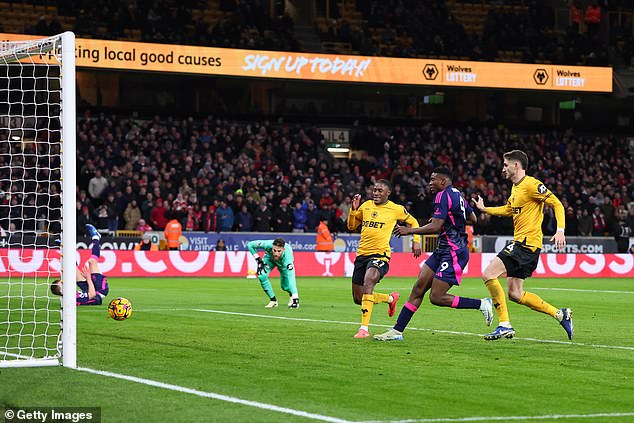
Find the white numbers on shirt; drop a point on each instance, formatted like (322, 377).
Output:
(462, 208)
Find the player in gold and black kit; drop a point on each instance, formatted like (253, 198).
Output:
(377, 218)
(519, 259)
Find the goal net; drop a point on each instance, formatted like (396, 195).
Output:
(37, 201)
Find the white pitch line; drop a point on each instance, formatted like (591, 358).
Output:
(505, 418)
(298, 319)
(601, 291)
(320, 417)
(215, 396)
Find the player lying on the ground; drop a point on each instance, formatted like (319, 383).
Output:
(92, 283)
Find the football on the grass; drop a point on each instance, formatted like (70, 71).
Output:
(120, 308)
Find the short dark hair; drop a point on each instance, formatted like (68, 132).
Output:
(518, 156)
(56, 287)
(279, 242)
(385, 182)
(442, 170)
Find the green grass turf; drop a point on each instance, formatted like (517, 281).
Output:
(317, 367)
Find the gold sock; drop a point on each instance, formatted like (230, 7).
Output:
(381, 298)
(499, 299)
(536, 303)
(367, 302)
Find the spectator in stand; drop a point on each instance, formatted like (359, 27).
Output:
(326, 201)
(608, 211)
(585, 222)
(283, 218)
(84, 200)
(132, 216)
(312, 217)
(338, 223)
(592, 18)
(245, 220)
(549, 224)
(180, 208)
(143, 226)
(572, 223)
(224, 217)
(157, 172)
(237, 203)
(262, 218)
(207, 219)
(147, 205)
(96, 186)
(193, 216)
(83, 218)
(598, 223)
(220, 245)
(345, 205)
(113, 215)
(251, 204)
(159, 216)
(120, 204)
(112, 188)
(299, 218)
(101, 218)
(146, 244)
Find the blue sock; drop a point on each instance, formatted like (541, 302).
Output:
(406, 314)
(466, 303)
(96, 248)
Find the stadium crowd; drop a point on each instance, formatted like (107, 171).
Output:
(218, 175)
(523, 31)
(512, 30)
(236, 24)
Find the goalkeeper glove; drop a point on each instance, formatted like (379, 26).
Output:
(261, 266)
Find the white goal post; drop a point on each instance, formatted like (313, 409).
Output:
(37, 201)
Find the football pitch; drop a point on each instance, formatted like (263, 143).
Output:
(201, 350)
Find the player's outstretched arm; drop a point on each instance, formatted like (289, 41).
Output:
(433, 227)
(254, 246)
(479, 203)
(504, 210)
